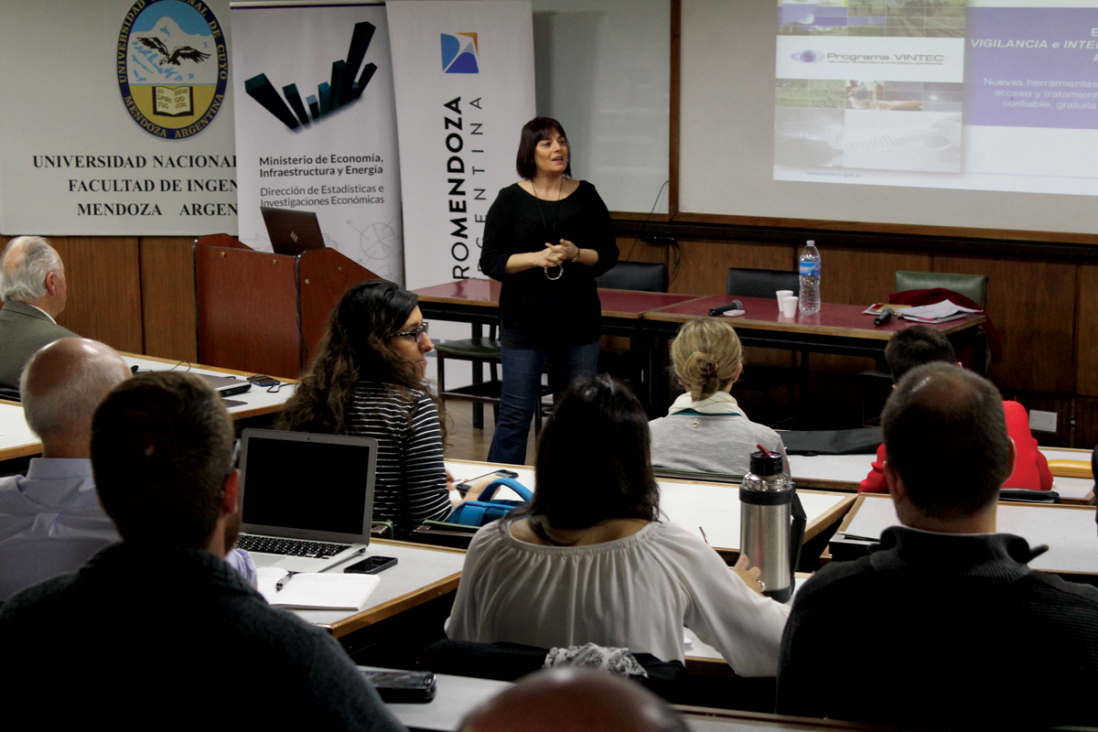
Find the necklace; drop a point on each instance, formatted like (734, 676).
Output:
(545, 224)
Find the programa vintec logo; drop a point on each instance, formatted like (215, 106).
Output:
(459, 53)
(808, 57)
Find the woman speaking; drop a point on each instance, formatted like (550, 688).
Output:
(546, 238)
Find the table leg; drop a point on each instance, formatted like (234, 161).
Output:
(478, 378)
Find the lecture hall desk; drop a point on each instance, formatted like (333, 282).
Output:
(1069, 532)
(17, 440)
(838, 329)
(845, 472)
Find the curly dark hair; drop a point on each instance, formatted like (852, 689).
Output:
(355, 348)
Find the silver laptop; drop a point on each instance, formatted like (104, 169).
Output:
(306, 499)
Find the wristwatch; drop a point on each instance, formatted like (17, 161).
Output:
(577, 257)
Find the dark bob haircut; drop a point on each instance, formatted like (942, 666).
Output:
(533, 132)
(594, 460)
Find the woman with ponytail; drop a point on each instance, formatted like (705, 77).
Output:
(706, 430)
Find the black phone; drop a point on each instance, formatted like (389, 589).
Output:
(371, 565)
(264, 380)
(403, 687)
(464, 487)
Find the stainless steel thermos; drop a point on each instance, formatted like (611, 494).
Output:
(768, 502)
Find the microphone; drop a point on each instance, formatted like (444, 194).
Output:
(884, 317)
(734, 305)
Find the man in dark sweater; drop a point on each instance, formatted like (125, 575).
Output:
(158, 631)
(944, 625)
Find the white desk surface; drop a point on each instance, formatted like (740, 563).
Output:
(17, 440)
(257, 400)
(694, 506)
(849, 470)
(456, 696)
(1069, 531)
(417, 568)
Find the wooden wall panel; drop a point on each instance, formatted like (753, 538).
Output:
(863, 276)
(167, 297)
(1086, 351)
(1085, 434)
(104, 279)
(860, 277)
(705, 263)
(1032, 304)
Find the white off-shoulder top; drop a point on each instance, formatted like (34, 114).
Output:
(635, 593)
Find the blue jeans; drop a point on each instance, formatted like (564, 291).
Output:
(522, 369)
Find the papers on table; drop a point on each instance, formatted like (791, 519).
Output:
(316, 591)
(939, 312)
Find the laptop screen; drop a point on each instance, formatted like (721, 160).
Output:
(306, 483)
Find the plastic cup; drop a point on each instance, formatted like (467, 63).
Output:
(789, 306)
(781, 294)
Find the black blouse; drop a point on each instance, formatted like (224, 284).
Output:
(536, 312)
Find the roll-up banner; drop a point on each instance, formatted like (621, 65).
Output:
(316, 125)
(117, 118)
(464, 73)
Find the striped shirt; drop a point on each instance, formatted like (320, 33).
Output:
(410, 484)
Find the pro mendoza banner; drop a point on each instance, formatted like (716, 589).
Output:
(116, 118)
(316, 125)
(464, 72)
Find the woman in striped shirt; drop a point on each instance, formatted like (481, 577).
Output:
(367, 379)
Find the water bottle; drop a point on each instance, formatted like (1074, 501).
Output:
(766, 498)
(809, 301)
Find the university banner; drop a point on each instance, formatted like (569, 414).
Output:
(316, 125)
(464, 73)
(117, 118)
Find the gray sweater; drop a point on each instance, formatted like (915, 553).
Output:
(712, 435)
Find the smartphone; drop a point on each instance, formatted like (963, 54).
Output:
(371, 565)
(403, 687)
(464, 487)
(264, 380)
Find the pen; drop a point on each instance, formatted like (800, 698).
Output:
(703, 535)
(282, 582)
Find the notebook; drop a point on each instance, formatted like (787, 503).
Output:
(315, 489)
(292, 232)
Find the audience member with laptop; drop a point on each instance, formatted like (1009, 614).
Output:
(368, 379)
(150, 626)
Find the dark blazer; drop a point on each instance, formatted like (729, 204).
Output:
(23, 330)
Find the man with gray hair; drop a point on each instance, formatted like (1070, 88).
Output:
(33, 292)
(50, 519)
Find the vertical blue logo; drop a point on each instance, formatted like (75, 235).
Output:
(459, 53)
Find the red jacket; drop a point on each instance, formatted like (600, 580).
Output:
(1030, 466)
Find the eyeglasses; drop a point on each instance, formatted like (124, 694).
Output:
(416, 335)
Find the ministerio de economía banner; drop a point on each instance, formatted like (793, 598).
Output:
(117, 118)
(464, 73)
(316, 125)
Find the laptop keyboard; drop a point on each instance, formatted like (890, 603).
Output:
(289, 547)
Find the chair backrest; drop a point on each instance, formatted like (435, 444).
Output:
(974, 287)
(761, 282)
(644, 276)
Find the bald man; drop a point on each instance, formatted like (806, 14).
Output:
(33, 292)
(50, 519)
(574, 700)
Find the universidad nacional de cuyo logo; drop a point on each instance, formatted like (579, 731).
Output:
(459, 53)
(172, 66)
